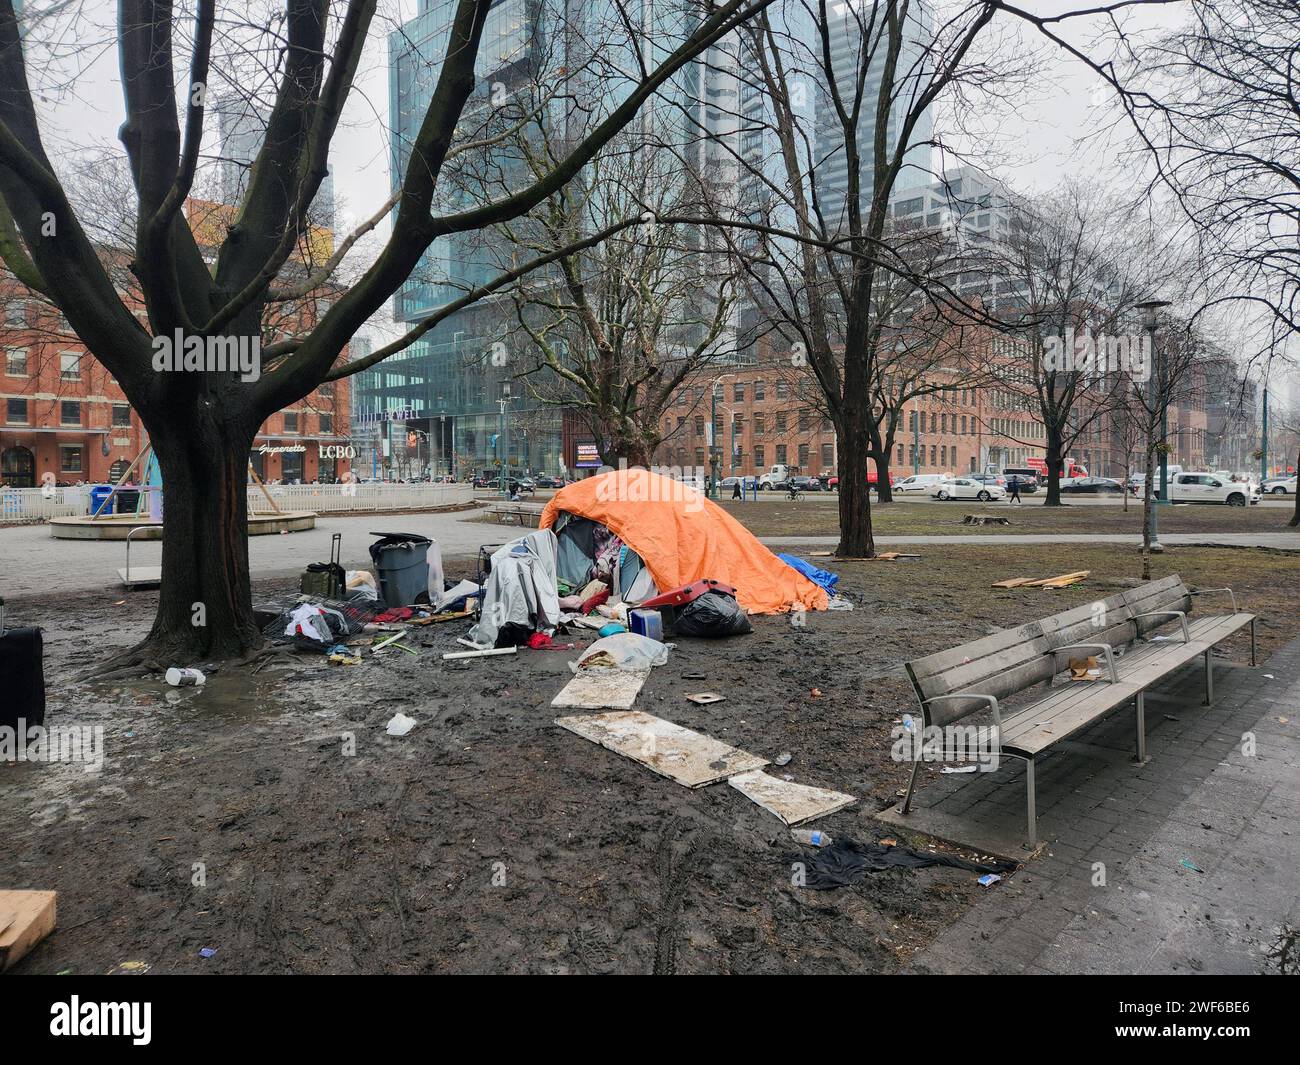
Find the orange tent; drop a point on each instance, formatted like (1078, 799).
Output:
(683, 537)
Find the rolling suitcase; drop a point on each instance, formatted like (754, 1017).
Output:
(326, 580)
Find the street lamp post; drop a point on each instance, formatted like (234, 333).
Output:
(1156, 393)
(713, 444)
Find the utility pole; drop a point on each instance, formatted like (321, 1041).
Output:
(916, 440)
(1155, 392)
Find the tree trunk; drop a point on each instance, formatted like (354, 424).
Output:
(1055, 463)
(205, 604)
(856, 540)
(884, 490)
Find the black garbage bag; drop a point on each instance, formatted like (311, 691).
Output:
(713, 614)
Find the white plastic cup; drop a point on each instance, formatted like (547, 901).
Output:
(185, 678)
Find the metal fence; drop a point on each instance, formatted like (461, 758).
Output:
(358, 498)
(36, 504)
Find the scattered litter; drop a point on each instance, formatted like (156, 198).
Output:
(26, 918)
(1268, 676)
(1283, 720)
(988, 879)
(889, 841)
(687, 757)
(784, 758)
(838, 602)
(1062, 581)
(959, 769)
(207, 952)
(387, 640)
(130, 968)
(623, 650)
(400, 725)
(792, 803)
(1186, 864)
(816, 693)
(846, 861)
(1085, 669)
(694, 676)
(481, 653)
(612, 629)
(704, 698)
(811, 837)
(184, 678)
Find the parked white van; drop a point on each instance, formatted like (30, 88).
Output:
(1210, 488)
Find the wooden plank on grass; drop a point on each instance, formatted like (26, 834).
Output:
(26, 917)
(1013, 582)
(1056, 582)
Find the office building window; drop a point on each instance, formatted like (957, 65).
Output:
(16, 411)
(70, 458)
(760, 453)
(326, 423)
(16, 362)
(291, 421)
(828, 456)
(121, 416)
(780, 454)
(70, 412)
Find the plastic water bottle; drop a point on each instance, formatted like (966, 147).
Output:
(811, 837)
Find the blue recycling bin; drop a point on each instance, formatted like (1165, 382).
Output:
(98, 493)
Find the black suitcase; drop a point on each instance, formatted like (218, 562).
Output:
(22, 677)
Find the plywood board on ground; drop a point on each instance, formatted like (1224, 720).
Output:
(598, 689)
(792, 803)
(677, 753)
(26, 917)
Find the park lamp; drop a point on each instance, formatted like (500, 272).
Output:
(1150, 309)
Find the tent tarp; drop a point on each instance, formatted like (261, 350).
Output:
(683, 537)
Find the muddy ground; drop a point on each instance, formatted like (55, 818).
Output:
(230, 817)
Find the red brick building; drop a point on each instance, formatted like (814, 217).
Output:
(61, 412)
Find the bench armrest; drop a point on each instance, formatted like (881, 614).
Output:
(1179, 614)
(991, 700)
(1231, 593)
(1104, 648)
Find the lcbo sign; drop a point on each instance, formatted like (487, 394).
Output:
(337, 451)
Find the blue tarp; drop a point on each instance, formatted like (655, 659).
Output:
(825, 578)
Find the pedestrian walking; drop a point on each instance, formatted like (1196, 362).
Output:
(735, 490)
(1014, 485)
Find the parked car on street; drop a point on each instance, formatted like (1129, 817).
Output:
(919, 483)
(1278, 486)
(967, 488)
(1093, 486)
(987, 478)
(806, 484)
(728, 484)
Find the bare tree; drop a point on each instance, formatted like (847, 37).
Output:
(202, 423)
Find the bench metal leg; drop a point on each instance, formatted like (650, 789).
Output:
(1252, 642)
(1141, 707)
(1033, 808)
(907, 799)
(1209, 678)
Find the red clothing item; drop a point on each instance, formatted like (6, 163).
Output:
(595, 601)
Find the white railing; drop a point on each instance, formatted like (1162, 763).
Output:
(33, 505)
(341, 498)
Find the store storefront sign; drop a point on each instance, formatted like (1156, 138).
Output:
(267, 449)
(336, 451)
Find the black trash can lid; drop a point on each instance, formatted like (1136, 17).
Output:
(416, 537)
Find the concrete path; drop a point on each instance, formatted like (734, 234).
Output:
(32, 562)
(1187, 864)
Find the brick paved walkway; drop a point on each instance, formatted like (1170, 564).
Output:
(1200, 800)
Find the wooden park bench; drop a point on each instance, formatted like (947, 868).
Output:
(1120, 631)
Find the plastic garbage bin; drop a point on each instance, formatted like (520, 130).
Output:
(98, 493)
(401, 567)
(127, 500)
